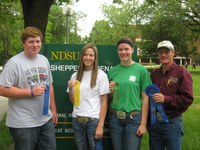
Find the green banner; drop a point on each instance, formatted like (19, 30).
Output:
(64, 61)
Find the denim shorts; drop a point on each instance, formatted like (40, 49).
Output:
(123, 132)
(36, 138)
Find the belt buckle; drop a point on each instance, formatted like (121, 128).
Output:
(121, 115)
(82, 119)
(158, 116)
(131, 114)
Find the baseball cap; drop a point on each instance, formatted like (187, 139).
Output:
(166, 44)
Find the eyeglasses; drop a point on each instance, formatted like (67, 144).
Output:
(160, 52)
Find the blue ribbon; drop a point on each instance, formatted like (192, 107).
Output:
(98, 144)
(154, 107)
(46, 101)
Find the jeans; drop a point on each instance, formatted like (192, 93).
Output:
(123, 132)
(84, 134)
(36, 138)
(166, 135)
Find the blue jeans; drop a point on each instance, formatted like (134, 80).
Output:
(36, 138)
(84, 134)
(123, 132)
(166, 135)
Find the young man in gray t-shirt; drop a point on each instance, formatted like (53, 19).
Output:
(27, 81)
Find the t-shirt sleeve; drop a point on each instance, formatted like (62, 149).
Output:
(9, 77)
(104, 84)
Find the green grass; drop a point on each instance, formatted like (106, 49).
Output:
(5, 138)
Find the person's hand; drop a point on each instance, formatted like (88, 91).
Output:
(99, 132)
(71, 83)
(158, 97)
(111, 86)
(38, 90)
(141, 130)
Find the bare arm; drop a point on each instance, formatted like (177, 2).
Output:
(103, 111)
(17, 93)
(145, 109)
(53, 105)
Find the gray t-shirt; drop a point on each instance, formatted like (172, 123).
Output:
(22, 72)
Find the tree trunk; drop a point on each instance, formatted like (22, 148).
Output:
(35, 14)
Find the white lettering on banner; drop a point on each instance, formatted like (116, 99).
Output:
(69, 130)
(64, 130)
(64, 67)
(59, 130)
(62, 115)
(70, 115)
(105, 68)
(74, 68)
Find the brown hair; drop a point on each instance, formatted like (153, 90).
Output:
(95, 66)
(126, 40)
(30, 32)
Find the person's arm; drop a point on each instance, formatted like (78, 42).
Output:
(145, 109)
(102, 116)
(17, 93)
(53, 105)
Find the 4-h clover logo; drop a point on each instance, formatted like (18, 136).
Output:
(132, 78)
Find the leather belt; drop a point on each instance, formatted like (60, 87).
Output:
(124, 115)
(82, 119)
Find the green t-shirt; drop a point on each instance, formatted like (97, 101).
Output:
(132, 81)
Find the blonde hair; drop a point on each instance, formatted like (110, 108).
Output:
(95, 65)
(30, 32)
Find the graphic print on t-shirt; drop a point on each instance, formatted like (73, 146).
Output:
(36, 76)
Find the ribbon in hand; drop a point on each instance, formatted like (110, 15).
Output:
(46, 100)
(155, 107)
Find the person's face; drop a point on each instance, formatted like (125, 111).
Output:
(165, 56)
(32, 46)
(88, 58)
(125, 52)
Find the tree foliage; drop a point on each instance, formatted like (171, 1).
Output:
(120, 20)
(34, 13)
(165, 20)
(192, 14)
(56, 27)
(10, 30)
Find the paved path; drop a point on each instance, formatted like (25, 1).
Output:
(3, 106)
